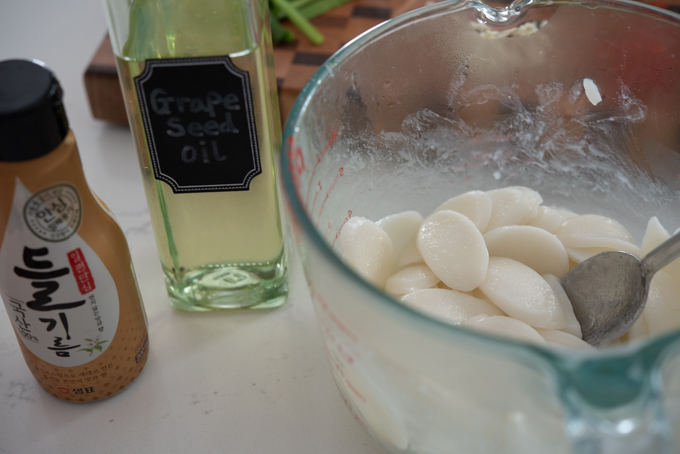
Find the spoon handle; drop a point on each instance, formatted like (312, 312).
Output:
(662, 255)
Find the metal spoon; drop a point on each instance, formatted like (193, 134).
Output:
(609, 290)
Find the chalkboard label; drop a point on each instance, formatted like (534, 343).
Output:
(199, 122)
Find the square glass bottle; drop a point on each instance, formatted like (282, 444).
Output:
(200, 93)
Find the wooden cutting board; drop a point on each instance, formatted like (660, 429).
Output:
(294, 63)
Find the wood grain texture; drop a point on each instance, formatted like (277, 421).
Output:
(294, 63)
(102, 86)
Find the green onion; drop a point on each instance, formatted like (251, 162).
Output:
(314, 8)
(301, 3)
(299, 12)
(299, 21)
(280, 34)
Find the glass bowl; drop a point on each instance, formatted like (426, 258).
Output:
(461, 96)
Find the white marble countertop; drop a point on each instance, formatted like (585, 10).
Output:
(219, 382)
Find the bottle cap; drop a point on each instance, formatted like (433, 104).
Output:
(32, 117)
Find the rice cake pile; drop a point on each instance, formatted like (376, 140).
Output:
(493, 261)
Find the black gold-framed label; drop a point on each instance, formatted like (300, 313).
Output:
(200, 124)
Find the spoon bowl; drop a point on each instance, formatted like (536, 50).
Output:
(609, 290)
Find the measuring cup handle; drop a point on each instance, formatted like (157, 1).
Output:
(629, 418)
(662, 255)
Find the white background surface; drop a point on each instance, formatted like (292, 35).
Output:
(219, 382)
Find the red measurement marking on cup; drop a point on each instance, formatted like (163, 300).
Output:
(339, 231)
(336, 321)
(349, 405)
(296, 163)
(334, 136)
(348, 386)
(297, 166)
(344, 354)
(316, 196)
(341, 172)
(354, 390)
(361, 421)
(339, 367)
(329, 352)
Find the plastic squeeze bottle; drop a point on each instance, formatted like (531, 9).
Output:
(66, 275)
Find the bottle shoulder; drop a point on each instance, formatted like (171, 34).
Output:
(62, 162)
(57, 182)
(159, 29)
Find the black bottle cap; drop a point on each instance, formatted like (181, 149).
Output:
(32, 117)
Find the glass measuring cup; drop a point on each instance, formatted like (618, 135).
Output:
(460, 96)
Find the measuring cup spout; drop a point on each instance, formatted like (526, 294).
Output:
(615, 406)
(500, 16)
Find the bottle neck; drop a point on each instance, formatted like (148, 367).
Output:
(61, 164)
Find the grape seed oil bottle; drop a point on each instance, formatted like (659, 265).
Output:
(201, 98)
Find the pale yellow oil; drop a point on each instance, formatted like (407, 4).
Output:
(219, 250)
